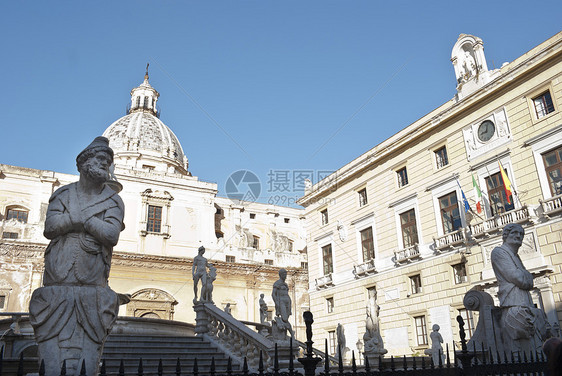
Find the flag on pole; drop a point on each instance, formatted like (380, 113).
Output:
(478, 194)
(506, 183)
(464, 200)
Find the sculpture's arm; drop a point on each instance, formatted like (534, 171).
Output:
(508, 270)
(106, 230)
(58, 221)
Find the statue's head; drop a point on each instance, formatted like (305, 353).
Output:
(201, 250)
(94, 161)
(435, 327)
(282, 273)
(262, 295)
(513, 234)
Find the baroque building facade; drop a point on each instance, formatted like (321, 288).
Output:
(392, 223)
(169, 214)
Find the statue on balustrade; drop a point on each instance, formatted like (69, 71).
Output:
(524, 327)
(206, 273)
(263, 309)
(280, 294)
(436, 350)
(74, 312)
(372, 338)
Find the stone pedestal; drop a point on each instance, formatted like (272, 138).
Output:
(284, 354)
(201, 320)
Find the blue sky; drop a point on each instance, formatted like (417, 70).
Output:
(257, 85)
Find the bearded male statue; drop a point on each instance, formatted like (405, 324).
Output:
(74, 312)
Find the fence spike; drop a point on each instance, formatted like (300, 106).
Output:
(260, 364)
(245, 367)
(83, 368)
(41, 368)
(121, 368)
(20, 365)
(1, 358)
(63, 368)
(440, 353)
(431, 363)
(229, 366)
(140, 370)
(160, 367)
(195, 367)
(212, 371)
(462, 333)
(291, 365)
(276, 362)
(353, 365)
(326, 359)
(367, 365)
(340, 361)
(178, 367)
(414, 366)
(392, 366)
(448, 356)
(423, 362)
(103, 371)
(405, 363)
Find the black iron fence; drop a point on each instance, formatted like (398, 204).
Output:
(463, 362)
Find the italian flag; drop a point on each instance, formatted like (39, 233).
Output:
(506, 183)
(478, 194)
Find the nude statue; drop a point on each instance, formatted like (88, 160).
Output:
(199, 271)
(282, 300)
(75, 310)
(263, 309)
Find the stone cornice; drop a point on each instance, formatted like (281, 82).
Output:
(430, 121)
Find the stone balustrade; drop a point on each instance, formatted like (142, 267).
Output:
(324, 281)
(450, 239)
(407, 254)
(551, 206)
(497, 222)
(365, 269)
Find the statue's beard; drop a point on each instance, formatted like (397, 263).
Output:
(97, 175)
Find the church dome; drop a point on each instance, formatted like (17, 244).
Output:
(140, 140)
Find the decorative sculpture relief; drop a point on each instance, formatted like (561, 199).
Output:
(75, 310)
(372, 338)
(342, 231)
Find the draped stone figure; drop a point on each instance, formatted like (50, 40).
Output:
(373, 341)
(263, 309)
(524, 327)
(74, 312)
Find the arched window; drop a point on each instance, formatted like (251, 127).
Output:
(145, 102)
(138, 102)
(17, 213)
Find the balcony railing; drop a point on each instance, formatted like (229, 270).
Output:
(451, 239)
(497, 222)
(364, 269)
(407, 254)
(551, 206)
(324, 281)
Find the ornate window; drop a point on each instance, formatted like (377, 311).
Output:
(543, 104)
(19, 215)
(496, 195)
(152, 303)
(156, 209)
(367, 244)
(324, 216)
(416, 284)
(330, 305)
(450, 213)
(362, 193)
(402, 176)
(409, 228)
(459, 271)
(441, 159)
(421, 330)
(328, 262)
(553, 168)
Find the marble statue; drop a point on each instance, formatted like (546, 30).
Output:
(207, 277)
(522, 323)
(340, 336)
(468, 67)
(73, 312)
(263, 309)
(373, 344)
(282, 300)
(436, 350)
(227, 309)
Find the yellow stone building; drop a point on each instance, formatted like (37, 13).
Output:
(393, 219)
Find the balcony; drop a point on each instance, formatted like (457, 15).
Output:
(551, 206)
(497, 222)
(450, 240)
(324, 282)
(364, 269)
(407, 254)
